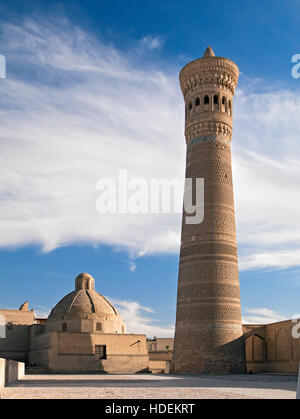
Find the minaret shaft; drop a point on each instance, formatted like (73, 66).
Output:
(208, 335)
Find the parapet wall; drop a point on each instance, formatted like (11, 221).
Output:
(14, 371)
(10, 372)
(2, 373)
(15, 345)
(77, 352)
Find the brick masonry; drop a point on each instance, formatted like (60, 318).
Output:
(208, 334)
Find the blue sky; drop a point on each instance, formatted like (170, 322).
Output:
(92, 87)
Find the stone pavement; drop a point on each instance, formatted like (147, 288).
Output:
(147, 386)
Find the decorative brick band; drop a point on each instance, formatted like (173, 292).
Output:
(220, 73)
(209, 290)
(208, 319)
(208, 311)
(211, 128)
(208, 139)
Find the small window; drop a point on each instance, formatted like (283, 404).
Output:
(216, 102)
(190, 106)
(197, 101)
(99, 327)
(64, 327)
(224, 104)
(229, 108)
(100, 351)
(206, 100)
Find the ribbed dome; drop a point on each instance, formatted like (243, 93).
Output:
(83, 303)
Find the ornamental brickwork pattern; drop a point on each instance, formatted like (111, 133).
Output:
(208, 333)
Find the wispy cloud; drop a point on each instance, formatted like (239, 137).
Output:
(73, 109)
(267, 178)
(81, 113)
(152, 42)
(41, 311)
(136, 320)
(262, 316)
(273, 259)
(132, 266)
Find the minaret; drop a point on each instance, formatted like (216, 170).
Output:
(208, 334)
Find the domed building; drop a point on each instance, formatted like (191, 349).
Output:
(83, 333)
(85, 310)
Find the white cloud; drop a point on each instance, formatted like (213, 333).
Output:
(138, 318)
(41, 311)
(262, 316)
(276, 259)
(88, 114)
(152, 42)
(73, 110)
(132, 266)
(267, 178)
(133, 314)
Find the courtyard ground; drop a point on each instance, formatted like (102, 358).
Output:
(142, 386)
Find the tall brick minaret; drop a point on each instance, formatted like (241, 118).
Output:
(208, 334)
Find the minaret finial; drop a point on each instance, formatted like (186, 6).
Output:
(209, 53)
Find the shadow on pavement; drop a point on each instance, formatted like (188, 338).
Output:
(263, 381)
